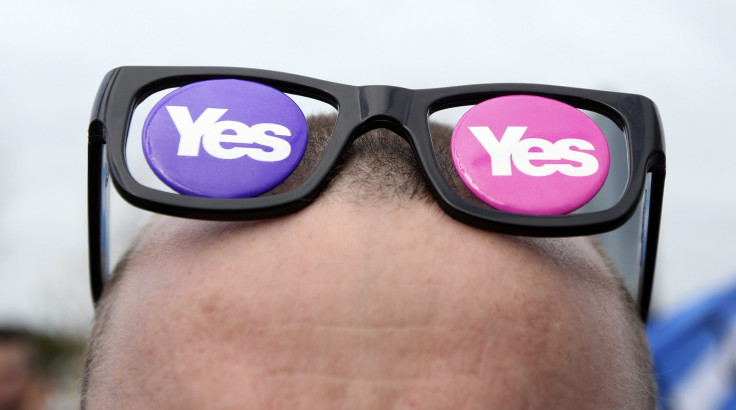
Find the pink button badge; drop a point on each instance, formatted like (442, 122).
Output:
(530, 155)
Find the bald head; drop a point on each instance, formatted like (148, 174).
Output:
(381, 302)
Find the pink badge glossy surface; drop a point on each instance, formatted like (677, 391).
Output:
(530, 155)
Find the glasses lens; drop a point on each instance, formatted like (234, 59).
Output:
(531, 155)
(226, 138)
(624, 247)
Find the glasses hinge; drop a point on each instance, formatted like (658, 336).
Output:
(96, 132)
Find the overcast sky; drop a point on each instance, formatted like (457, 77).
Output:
(54, 54)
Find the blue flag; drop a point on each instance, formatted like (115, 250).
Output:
(695, 354)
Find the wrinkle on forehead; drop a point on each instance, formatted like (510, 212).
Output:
(577, 255)
(385, 300)
(411, 299)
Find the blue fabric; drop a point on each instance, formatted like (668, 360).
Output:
(730, 402)
(678, 343)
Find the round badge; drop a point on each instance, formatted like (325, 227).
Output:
(224, 138)
(530, 155)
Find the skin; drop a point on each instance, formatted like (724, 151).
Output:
(380, 305)
(21, 388)
(15, 374)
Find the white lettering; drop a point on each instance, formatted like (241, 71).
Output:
(191, 132)
(588, 163)
(280, 148)
(523, 155)
(511, 148)
(211, 134)
(500, 151)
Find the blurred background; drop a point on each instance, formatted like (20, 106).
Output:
(53, 56)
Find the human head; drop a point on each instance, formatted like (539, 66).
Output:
(18, 378)
(369, 298)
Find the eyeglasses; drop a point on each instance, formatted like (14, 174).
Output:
(494, 137)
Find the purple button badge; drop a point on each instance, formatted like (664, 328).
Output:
(224, 138)
(530, 155)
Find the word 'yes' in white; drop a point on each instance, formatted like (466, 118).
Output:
(210, 131)
(512, 148)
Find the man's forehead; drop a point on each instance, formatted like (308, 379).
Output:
(166, 235)
(348, 271)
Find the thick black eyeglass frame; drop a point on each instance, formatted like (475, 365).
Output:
(362, 109)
